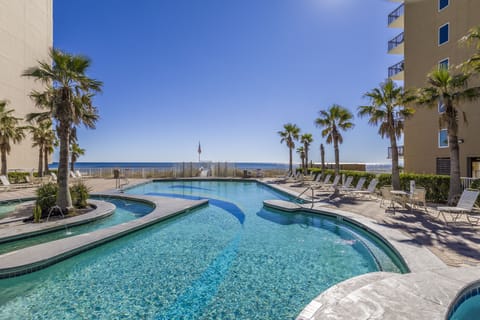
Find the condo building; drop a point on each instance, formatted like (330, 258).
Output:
(26, 34)
(428, 38)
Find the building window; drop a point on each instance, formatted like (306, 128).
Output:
(443, 166)
(443, 64)
(441, 107)
(442, 4)
(443, 138)
(443, 34)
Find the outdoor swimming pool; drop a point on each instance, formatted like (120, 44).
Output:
(126, 210)
(232, 259)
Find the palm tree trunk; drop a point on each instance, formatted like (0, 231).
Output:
(291, 160)
(306, 158)
(40, 162)
(64, 199)
(45, 161)
(395, 170)
(337, 156)
(455, 184)
(322, 155)
(72, 165)
(4, 161)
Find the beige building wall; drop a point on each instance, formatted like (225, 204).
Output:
(26, 34)
(422, 55)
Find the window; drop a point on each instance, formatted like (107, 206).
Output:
(443, 64)
(443, 166)
(443, 138)
(442, 4)
(441, 107)
(443, 34)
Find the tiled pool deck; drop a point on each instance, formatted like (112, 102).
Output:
(443, 260)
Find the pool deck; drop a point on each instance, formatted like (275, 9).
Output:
(442, 258)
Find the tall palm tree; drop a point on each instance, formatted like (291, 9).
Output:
(67, 99)
(43, 136)
(451, 90)
(387, 111)
(322, 157)
(302, 154)
(289, 135)
(473, 63)
(10, 132)
(75, 153)
(334, 120)
(307, 140)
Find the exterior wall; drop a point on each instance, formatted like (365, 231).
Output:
(26, 34)
(422, 55)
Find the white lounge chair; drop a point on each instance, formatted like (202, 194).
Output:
(7, 185)
(464, 206)
(330, 186)
(357, 187)
(369, 192)
(347, 184)
(317, 183)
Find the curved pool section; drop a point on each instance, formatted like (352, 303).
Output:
(467, 304)
(232, 259)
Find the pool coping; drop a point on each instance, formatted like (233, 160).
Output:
(101, 210)
(427, 292)
(40, 256)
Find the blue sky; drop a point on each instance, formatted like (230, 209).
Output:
(228, 73)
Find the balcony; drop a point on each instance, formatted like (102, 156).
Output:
(396, 45)
(400, 152)
(396, 72)
(396, 17)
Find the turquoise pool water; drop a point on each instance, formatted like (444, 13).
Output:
(232, 259)
(467, 307)
(126, 210)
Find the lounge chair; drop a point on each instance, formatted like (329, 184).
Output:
(54, 177)
(317, 181)
(357, 187)
(464, 206)
(347, 184)
(369, 192)
(330, 186)
(81, 176)
(7, 185)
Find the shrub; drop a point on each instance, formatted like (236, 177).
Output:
(436, 186)
(17, 177)
(37, 213)
(79, 192)
(47, 196)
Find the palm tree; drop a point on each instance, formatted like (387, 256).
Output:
(333, 121)
(68, 101)
(450, 90)
(322, 157)
(289, 135)
(43, 136)
(307, 140)
(75, 153)
(387, 111)
(473, 63)
(302, 154)
(10, 132)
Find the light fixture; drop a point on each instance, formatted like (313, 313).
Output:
(460, 140)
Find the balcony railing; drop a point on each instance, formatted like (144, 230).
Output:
(395, 42)
(395, 14)
(400, 152)
(396, 69)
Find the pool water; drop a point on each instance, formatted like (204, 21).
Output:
(232, 259)
(468, 306)
(126, 210)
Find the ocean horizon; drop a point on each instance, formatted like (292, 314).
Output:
(373, 167)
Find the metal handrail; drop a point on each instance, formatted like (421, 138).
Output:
(303, 192)
(395, 42)
(397, 13)
(396, 68)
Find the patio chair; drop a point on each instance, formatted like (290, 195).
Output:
(347, 184)
(7, 185)
(54, 176)
(357, 187)
(369, 192)
(464, 206)
(330, 186)
(418, 197)
(319, 183)
(387, 196)
(81, 176)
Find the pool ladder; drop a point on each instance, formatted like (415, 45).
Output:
(299, 197)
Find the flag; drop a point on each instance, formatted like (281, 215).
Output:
(199, 148)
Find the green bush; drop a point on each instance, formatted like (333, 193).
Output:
(47, 196)
(37, 213)
(79, 192)
(436, 186)
(17, 177)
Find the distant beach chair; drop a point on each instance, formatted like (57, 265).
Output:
(464, 206)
